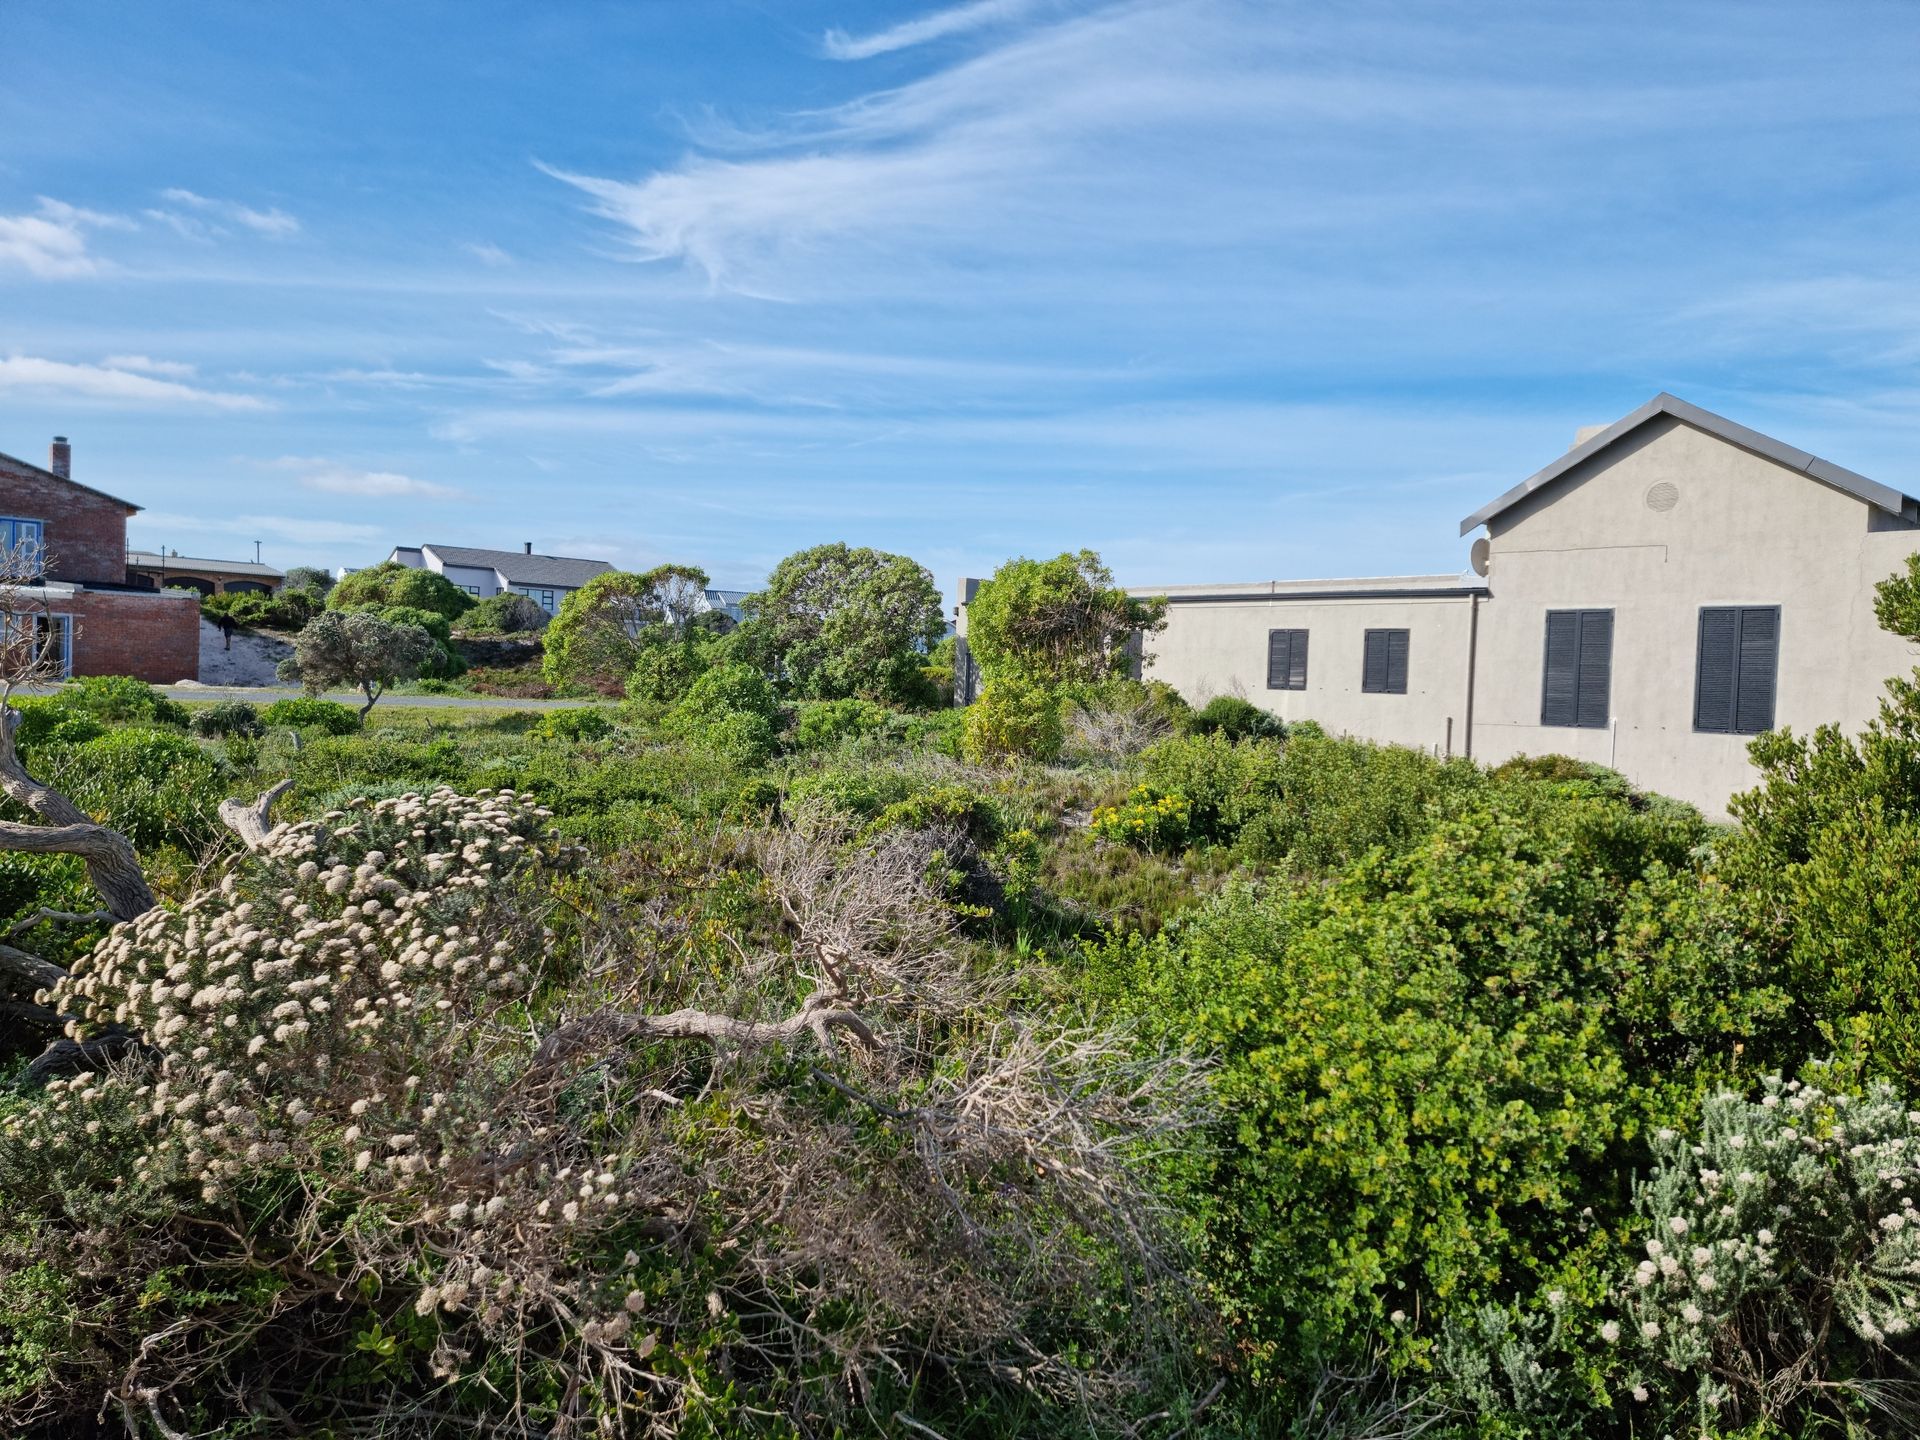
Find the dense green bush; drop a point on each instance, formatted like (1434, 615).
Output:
(44, 720)
(730, 710)
(228, 717)
(1432, 1062)
(1145, 819)
(1237, 719)
(390, 583)
(120, 700)
(1341, 797)
(580, 723)
(837, 621)
(605, 626)
(1226, 783)
(1013, 718)
(156, 786)
(822, 723)
(508, 613)
(305, 712)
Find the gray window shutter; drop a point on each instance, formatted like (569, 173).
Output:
(1373, 663)
(1595, 680)
(1397, 661)
(1561, 687)
(1758, 663)
(1719, 662)
(1286, 659)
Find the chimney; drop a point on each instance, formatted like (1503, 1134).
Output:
(60, 457)
(529, 545)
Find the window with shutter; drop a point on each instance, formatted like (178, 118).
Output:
(1383, 662)
(1577, 685)
(1286, 659)
(1736, 673)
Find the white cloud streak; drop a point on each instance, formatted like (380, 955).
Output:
(34, 375)
(146, 364)
(298, 529)
(273, 223)
(330, 477)
(838, 45)
(50, 242)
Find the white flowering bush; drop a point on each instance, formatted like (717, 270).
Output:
(347, 1166)
(1781, 1261)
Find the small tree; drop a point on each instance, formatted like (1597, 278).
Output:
(358, 649)
(603, 627)
(1057, 622)
(836, 623)
(307, 577)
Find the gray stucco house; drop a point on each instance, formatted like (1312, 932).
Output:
(545, 579)
(1671, 586)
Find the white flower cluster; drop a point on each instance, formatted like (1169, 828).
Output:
(285, 1006)
(1781, 1200)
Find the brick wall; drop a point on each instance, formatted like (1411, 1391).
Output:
(154, 637)
(86, 532)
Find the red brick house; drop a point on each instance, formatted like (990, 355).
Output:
(88, 615)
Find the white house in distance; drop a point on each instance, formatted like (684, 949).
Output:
(1670, 587)
(545, 579)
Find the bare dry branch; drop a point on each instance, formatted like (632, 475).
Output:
(253, 823)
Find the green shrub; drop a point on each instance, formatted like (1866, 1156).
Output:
(1147, 820)
(957, 806)
(156, 787)
(664, 670)
(330, 762)
(305, 712)
(1014, 718)
(821, 723)
(1237, 719)
(1226, 783)
(1434, 1063)
(44, 721)
(729, 710)
(581, 723)
(1339, 797)
(391, 583)
(228, 718)
(508, 613)
(120, 700)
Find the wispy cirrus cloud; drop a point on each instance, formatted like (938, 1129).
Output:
(153, 525)
(201, 217)
(50, 241)
(838, 45)
(331, 477)
(115, 384)
(487, 253)
(146, 364)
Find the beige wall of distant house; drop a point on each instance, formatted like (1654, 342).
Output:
(1736, 530)
(1215, 646)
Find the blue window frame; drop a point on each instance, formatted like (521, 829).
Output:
(16, 532)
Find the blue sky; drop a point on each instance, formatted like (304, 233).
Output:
(1228, 291)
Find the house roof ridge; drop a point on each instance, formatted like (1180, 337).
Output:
(44, 473)
(1873, 492)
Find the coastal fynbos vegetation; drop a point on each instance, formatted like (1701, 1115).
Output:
(766, 1050)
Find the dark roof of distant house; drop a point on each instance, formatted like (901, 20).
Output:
(1765, 446)
(519, 568)
(154, 560)
(42, 473)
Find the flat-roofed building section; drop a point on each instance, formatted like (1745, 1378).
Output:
(1387, 658)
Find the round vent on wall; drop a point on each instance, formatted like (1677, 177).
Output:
(1663, 496)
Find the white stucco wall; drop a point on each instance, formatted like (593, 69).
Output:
(1215, 643)
(1742, 531)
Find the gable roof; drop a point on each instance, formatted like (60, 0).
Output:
(517, 567)
(1825, 471)
(39, 472)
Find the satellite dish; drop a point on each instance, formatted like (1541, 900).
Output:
(1477, 556)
